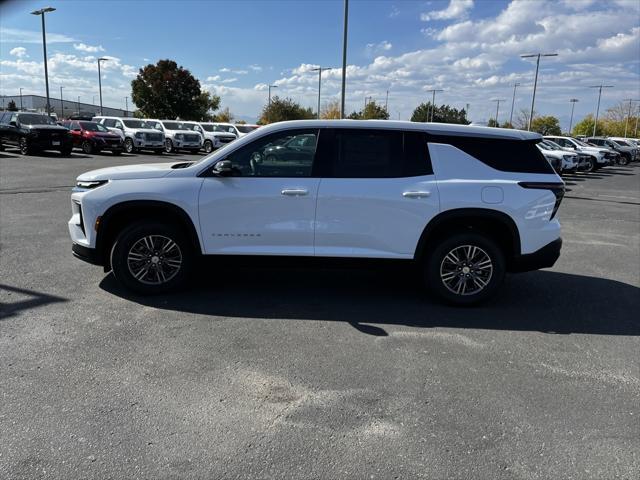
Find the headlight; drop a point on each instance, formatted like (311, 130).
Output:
(88, 185)
(139, 135)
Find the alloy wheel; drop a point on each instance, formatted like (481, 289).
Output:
(154, 259)
(208, 146)
(466, 270)
(128, 145)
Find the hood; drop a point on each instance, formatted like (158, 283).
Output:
(145, 130)
(48, 128)
(102, 134)
(128, 172)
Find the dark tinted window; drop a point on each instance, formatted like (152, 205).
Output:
(504, 155)
(281, 154)
(109, 122)
(368, 153)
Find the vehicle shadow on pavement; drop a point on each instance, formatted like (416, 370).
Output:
(540, 301)
(23, 299)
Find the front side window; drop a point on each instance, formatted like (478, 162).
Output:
(273, 156)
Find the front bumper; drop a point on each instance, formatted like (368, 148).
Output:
(86, 254)
(543, 258)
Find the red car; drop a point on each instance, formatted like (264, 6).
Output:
(92, 137)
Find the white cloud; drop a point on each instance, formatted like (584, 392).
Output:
(378, 48)
(229, 80)
(213, 78)
(255, 68)
(456, 9)
(88, 48)
(16, 35)
(19, 52)
(230, 70)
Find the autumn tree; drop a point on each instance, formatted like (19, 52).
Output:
(282, 109)
(372, 111)
(11, 106)
(546, 125)
(585, 127)
(492, 123)
(331, 110)
(441, 114)
(224, 116)
(166, 90)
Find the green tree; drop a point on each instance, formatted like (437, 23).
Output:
(441, 114)
(492, 123)
(585, 127)
(331, 110)
(11, 106)
(372, 111)
(546, 125)
(282, 109)
(165, 90)
(507, 125)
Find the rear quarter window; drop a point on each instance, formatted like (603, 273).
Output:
(521, 156)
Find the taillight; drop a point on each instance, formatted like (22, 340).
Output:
(555, 187)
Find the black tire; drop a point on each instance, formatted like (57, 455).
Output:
(129, 147)
(66, 152)
(624, 159)
(481, 280)
(168, 146)
(87, 147)
(593, 165)
(116, 152)
(159, 151)
(131, 242)
(208, 146)
(25, 148)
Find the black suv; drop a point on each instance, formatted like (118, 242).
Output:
(627, 153)
(33, 132)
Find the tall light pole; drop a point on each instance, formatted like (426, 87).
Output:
(599, 87)
(573, 105)
(270, 87)
(635, 132)
(513, 101)
(344, 57)
(41, 12)
(433, 100)
(535, 82)
(497, 100)
(20, 99)
(101, 59)
(78, 105)
(319, 70)
(386, 101)
(126, 106)
(61, 102)
(631, 100)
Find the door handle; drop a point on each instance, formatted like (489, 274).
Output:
(416, 194)
(294, 192)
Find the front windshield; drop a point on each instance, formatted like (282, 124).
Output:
(245, 128)
(544, 146)
(209, 128)
(35, 119)
(621, 143)
(174, 126)
(153, 124)
(93, 127)
(581, 143)
(135, 123)
(553, 145)
(189, 126)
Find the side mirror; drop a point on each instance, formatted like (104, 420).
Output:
(13, 123)
(223, 168)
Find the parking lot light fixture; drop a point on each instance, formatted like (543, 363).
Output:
(513, 101)
(319, 70)
(433, 100)
(599, 87)
(126, 106)
(101, 59)
(270, 87)
(573, 104)
(344, 57)
(61, 102)
(41, 12)
(497, 100)
(535, 81)
(21, 99)
(78, 105)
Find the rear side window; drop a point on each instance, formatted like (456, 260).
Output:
(109, 122)
(520, 156)
(368, 153)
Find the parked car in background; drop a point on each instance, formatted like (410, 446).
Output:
(583, 160)
(599, 157)
(135, 133)
(561, 161)
(211, 140)
(448, 198)
(627, 142)
(92, 137)
(176, 135)
(627, 153)
(34, 132)
(239, 130)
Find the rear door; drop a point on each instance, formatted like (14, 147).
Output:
(377, 193)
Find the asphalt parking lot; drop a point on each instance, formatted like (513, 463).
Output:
(316, 372)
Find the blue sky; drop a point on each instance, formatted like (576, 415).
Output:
(470, 49)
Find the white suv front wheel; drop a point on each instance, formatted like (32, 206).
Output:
(465, 268)
(151, 258)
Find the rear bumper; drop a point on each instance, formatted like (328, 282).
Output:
(86, 254)
(543, 258)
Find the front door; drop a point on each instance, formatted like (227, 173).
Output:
(267, 205)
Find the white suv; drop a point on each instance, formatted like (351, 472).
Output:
(135, 133)
(465, 204)
(212, 139)
(239, 130)
(176, 135)
(600, 157)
